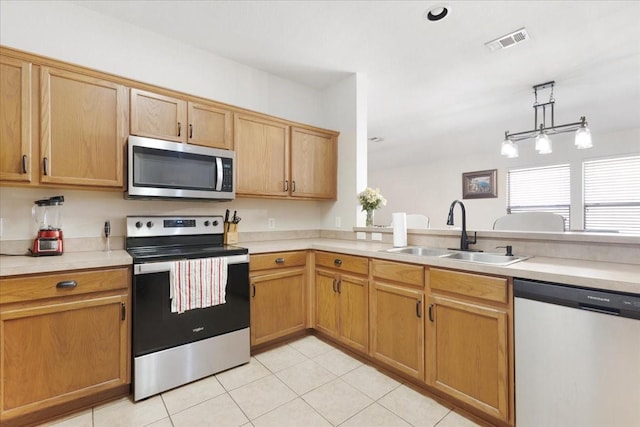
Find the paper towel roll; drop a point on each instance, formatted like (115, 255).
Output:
(399, 229)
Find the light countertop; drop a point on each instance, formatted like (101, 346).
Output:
(592, 274)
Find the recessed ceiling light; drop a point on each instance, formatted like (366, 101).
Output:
(437, 12)
(376, 139)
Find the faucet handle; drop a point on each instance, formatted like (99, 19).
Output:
(509, 249)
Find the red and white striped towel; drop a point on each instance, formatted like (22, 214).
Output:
(198, 283)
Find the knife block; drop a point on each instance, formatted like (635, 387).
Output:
(231, 235)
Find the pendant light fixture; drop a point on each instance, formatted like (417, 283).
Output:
(541, 131)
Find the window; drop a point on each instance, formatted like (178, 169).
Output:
(545, 189)
(612, 195)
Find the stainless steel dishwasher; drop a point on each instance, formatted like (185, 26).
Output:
(577, 356)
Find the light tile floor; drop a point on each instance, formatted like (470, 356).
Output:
(303, 383)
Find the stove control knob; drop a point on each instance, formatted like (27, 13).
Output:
(139, 224)
(215, 223)
(206, 223)
(149, 224)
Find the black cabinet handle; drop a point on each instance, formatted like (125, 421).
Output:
(431, 312)
(253, 285)
(179, 128)
(24, 163)
(337, 261)
(45, 165)
(279, 260)
(67, 284)
(418, 311)
(293, 189)
(190, 130)
(124, 311)
(286, 185)
(339, 286)
(334, 285)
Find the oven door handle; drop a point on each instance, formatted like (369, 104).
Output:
(158, 267)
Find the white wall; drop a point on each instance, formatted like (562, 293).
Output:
(71, 33)
(430, 187)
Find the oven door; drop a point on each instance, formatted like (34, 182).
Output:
(156, 328)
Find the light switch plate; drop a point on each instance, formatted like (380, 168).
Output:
(361, 235)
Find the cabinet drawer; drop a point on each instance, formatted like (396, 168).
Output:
(28, 288)
(277, 260)
(408, 274)
(473, 285)
(354, 264)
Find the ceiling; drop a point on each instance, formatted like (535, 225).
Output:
(434, 89)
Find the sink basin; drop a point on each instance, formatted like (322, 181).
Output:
(485, 258)
(420, 251)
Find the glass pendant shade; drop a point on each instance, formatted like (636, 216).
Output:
(583, 138)
(543, 144)
(509, 149)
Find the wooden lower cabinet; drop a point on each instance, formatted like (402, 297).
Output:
(278, 295)
(70, 345)
(468, 341)
(341, 299)
(397, 323)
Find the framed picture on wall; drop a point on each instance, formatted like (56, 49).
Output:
(480, 185)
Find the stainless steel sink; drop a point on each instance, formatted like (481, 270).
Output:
(420, 251)
(485, 258)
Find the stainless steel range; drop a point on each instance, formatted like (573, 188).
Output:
(171, 348)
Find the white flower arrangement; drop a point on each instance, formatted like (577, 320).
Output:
(371, 199)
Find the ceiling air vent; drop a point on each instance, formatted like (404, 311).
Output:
(508, 40)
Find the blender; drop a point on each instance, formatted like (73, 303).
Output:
(46, 213)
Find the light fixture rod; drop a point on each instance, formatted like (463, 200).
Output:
(551, 130)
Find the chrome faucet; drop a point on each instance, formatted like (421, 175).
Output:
(464, 239)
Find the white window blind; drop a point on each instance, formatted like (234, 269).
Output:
(612, 195)
(544, 189)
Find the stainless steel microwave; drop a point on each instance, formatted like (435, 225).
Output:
(164, 169)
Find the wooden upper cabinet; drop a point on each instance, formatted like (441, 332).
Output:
(158, 116)
(209, 126)
(262, 156)
(15, 120)
(82, 129)
(314, 159)
(173, 119)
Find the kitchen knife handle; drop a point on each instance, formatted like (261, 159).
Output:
(431, 312)
(179, 128)
(24, 163)
(67, 284)
(190, 130)
(418, 311)
(45, 166)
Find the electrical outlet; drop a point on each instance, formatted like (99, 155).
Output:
(338, 221)
(376, 236)
(271, 223)
(361, 235)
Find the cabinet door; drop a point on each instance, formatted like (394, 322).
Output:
(353, 311)
(158, 116)
(83, 129)
(277, 305)
(327, 302)
(262, 157)
(467, 349)
(314, 159)
(209, 126)
(398, 328)
(15, 120)
(57, 353)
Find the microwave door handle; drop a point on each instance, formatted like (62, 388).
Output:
(219, 174)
